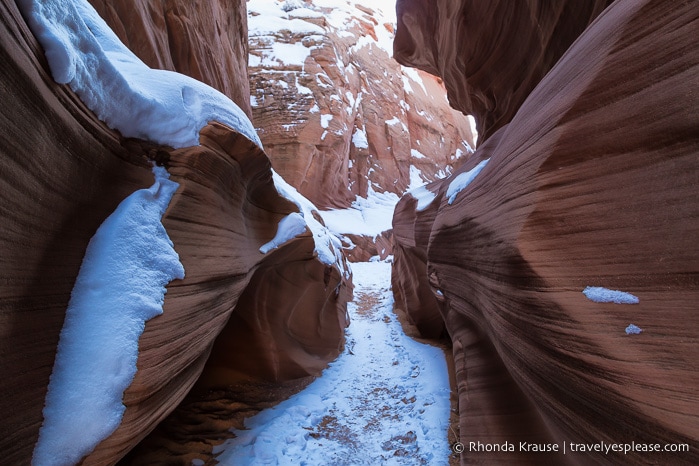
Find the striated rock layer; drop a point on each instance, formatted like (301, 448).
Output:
(592, 183)
(62, 172)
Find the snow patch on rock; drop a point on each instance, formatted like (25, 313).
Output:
(289, 228)
(599, 294)
(121, 285)
(462, 180)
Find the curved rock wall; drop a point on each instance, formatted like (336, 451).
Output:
(414, 297)
(268, 338)
(62, 172)
(505, 48)
(592, 183)
(336, 113)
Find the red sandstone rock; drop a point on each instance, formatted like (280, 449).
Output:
(592, 183)
(62, 172)
(364, 247)
(414, 297)
(344, 115)
(271, 336)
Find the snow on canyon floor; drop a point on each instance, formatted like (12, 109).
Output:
(384, 401)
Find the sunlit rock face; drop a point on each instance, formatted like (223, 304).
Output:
(335, 113)
(62, 173)
(591, 183)
(504, 48)
(204, 40)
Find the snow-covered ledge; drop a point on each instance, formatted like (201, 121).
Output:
(157, 105)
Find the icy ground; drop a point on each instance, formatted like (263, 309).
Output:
(384, 401)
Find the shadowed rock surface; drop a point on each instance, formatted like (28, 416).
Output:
(491, 55)
(62, 172)
(593, 182)
(411, 290)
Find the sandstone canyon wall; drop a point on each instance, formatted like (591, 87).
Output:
(336, 113)
(590, 180)
(62, 172)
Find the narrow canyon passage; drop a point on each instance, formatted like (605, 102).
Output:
(183, 184)
(385, 400)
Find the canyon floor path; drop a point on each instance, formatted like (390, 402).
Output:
(385, 400)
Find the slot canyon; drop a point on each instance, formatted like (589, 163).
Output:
(349, 232)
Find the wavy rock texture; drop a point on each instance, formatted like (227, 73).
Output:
(309, 113)
(204, 40)
(288, 323)
(62, 173)
(504, 48)
(593, 182)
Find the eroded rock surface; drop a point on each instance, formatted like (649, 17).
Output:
(62, 172)
(591, 183)
(336, 113)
